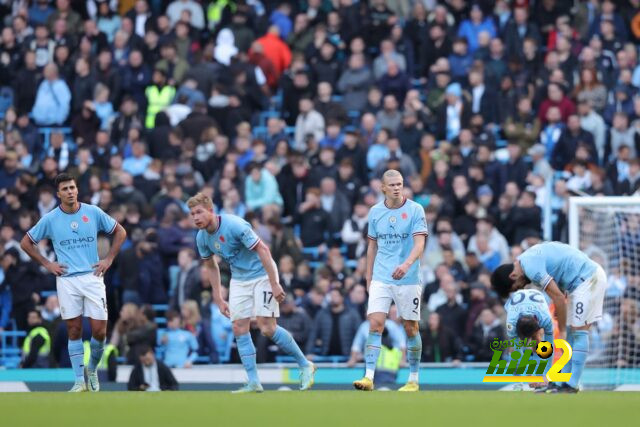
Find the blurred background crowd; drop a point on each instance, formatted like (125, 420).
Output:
(287, 114)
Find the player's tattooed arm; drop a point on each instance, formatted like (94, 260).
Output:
(32, 250)
(559, 301)
(213, 275)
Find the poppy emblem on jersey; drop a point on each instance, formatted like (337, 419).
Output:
(392, 220)
(222, 239)
(216, 245)
(85, 218)
(404, 215)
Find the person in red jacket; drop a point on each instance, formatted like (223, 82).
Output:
(275, 49)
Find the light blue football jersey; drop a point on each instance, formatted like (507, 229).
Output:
(528, 302)
(568, 266)
(233, 241)
(393, 230)
(74, 236)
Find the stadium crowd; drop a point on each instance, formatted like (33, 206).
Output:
(287, 114)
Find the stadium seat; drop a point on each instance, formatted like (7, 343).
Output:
(47, 131)
(10, 352)
(160, 308)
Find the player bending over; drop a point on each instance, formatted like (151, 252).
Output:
(73, 229)
(397, 237)
(528, 317)
(557, 268)
(254, 287)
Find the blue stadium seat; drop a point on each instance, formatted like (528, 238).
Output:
(290, 131)
(47, 131)
(266, 115)
(259, 132)
(10, 352)
(46, 294)
(158, 308)
(351, 263)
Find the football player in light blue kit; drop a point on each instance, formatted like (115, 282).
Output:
(397, 237)
(73, 230)
(558, 268)
(254, 289)
(528, 317)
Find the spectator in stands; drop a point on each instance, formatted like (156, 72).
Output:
(451, 312)
(261, 188)
(309, 123)
(334, 328)
(37, 344)
(314, 221)
(23, 279)
(158, 96)
(178, 346)
(275, 49)
(150, 374)
(472, 27)
(440, 344)
(354, 83)
(295, 320)
(335, 204)
(484, 332)
(52, 100)
(133, 332)
(200, 329)
(187, 284)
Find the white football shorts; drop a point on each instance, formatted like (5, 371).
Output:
(83, 295)
(252, 298)
(586, 301)
(408, 299)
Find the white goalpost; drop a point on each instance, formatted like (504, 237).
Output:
(607, 229)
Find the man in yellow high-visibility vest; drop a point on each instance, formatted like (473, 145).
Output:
(37, 345)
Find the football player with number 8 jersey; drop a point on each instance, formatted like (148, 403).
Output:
(557, 268)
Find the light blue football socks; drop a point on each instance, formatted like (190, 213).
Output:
(371, 353)
(285, 341)
(580, 351)
(414, 353)
(97, 349)
(247, 353)
(76, 354)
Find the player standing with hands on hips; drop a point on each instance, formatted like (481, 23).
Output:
(560, 269)
(73, 230)
(254, 288)
(397, 237)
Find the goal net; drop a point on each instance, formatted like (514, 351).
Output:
(607, 229)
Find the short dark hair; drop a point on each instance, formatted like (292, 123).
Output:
(526, 326)
(64, 177)
(500, 281)
(172, 314)
(144, 349)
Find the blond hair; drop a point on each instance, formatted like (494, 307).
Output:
(391, 173)
(190, 312)
(200, 199)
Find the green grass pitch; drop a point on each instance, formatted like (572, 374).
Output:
(319, 408)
